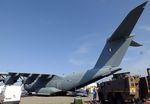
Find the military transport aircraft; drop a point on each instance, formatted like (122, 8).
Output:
(107, 64)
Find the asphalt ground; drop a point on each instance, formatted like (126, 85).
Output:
(51, 100)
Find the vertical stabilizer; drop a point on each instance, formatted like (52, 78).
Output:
(117, 45)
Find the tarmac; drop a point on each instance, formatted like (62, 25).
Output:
(51, 100)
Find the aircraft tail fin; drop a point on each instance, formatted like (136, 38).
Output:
(127, 25)
(117, 45)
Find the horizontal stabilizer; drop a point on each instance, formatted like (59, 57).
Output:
(135, 44)
(127, 25)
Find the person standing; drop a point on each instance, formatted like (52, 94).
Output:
(94, 94)
(87, 91)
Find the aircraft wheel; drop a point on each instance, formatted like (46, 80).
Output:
(29, 93)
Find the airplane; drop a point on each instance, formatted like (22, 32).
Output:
(107, 63)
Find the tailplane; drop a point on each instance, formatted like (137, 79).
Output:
(117, 45)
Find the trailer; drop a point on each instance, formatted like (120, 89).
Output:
(10, 94)
(125, 88)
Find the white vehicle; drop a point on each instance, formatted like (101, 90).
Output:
(10, 94)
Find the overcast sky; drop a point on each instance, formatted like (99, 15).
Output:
(65, 36)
